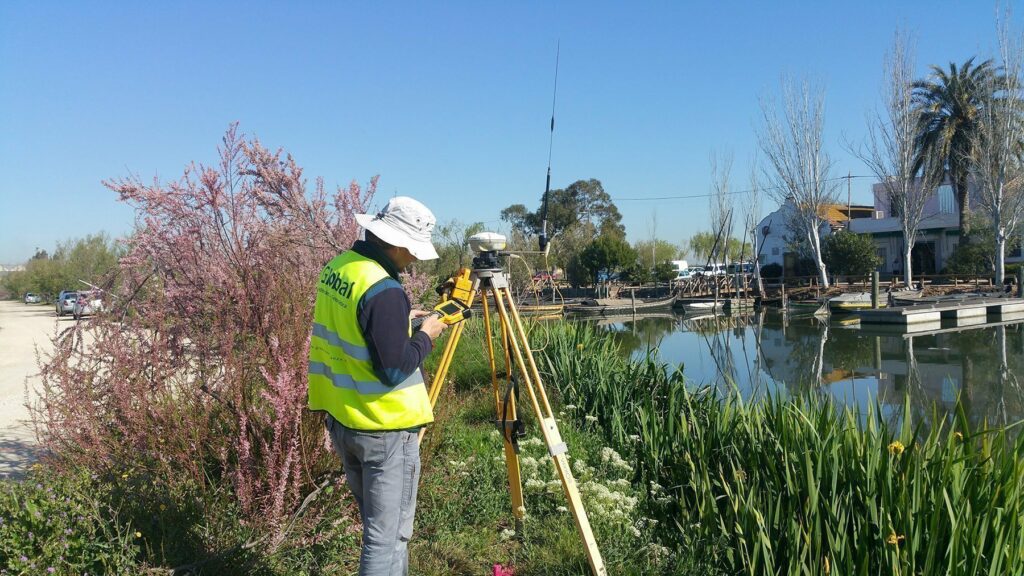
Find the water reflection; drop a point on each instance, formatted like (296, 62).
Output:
(770, 352)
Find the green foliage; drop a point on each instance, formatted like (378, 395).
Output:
(850, 254)
(582, 202)
(607, 254)
(92, 259)
(59, 523)
(131, 522)
(772, 270)
(664, 272)
(951, 105)
(799, 486)
(702, 246)
(464, 519)
(652, 252)
(637, 273)
(977, 255)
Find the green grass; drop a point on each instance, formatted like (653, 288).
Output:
(464, 519)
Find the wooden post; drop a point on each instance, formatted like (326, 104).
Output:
(632, 298)
(1020, 283)
(874, 289)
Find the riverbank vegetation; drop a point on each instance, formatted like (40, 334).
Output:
(676, 479)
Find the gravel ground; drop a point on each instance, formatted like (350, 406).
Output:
(22, 328)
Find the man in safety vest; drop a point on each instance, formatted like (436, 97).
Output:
(364, 371)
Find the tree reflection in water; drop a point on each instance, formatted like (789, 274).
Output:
(769, 352)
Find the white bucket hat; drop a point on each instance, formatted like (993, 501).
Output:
(403, 222)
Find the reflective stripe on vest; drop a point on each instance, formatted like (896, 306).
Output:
(342, 379)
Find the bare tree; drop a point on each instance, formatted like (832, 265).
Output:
(798, 166)
(721, 205)
(996, 159)
(891, 151)
(751, 217)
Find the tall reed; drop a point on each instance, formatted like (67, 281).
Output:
(798, 485)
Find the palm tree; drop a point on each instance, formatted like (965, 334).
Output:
(950, 103)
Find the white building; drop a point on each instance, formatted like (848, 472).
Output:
(776, 233)
(938, 234)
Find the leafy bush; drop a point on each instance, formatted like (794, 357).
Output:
(847, 253)
(606, 254)
(972, 258)
(637, 273)
(772, 271)
(665, 272)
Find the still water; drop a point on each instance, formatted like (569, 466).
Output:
(771, 352)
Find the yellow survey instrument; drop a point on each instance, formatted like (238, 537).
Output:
(487, 279)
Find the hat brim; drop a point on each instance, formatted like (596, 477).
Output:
(422, 250)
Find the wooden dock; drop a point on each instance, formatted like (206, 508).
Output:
(995, 308)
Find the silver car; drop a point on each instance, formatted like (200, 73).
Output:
(66, 302)
(31, 298)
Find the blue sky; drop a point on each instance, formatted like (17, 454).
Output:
(448, 102)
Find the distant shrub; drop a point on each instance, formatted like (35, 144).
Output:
(771, 271)
(847, 253)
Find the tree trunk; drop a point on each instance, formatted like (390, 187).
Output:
(961, 198)
(1000, 256)
(907, 262)
(816, 249)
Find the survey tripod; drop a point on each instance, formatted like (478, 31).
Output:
(487, 280)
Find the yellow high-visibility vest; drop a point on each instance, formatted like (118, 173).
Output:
(341, 377)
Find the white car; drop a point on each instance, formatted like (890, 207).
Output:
(31, 298)
(87, 305)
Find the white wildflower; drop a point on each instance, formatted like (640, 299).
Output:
(507, 533)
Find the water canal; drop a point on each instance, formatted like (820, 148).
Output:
(772, 352)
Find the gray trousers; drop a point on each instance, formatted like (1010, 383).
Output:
(383, 473)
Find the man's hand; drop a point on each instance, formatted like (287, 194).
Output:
(417, 313)
(433, 326)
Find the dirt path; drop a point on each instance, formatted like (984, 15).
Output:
(22, 328)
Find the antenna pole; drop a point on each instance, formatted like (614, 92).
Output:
(543, 238)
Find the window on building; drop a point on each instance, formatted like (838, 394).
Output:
(947, 200)
(883, 254)
(775, 251)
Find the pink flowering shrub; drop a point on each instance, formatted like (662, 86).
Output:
(198, 369)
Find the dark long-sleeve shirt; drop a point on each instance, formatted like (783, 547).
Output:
(383, 314)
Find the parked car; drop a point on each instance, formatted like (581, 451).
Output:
(742, 267)
(31, 298)
(687, 273)
(88, 303)
(543, 276)
(66, 302)
(715, 269)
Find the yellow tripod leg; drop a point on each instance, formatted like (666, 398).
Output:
(515, 480)
(549, 428)
(442, 369)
